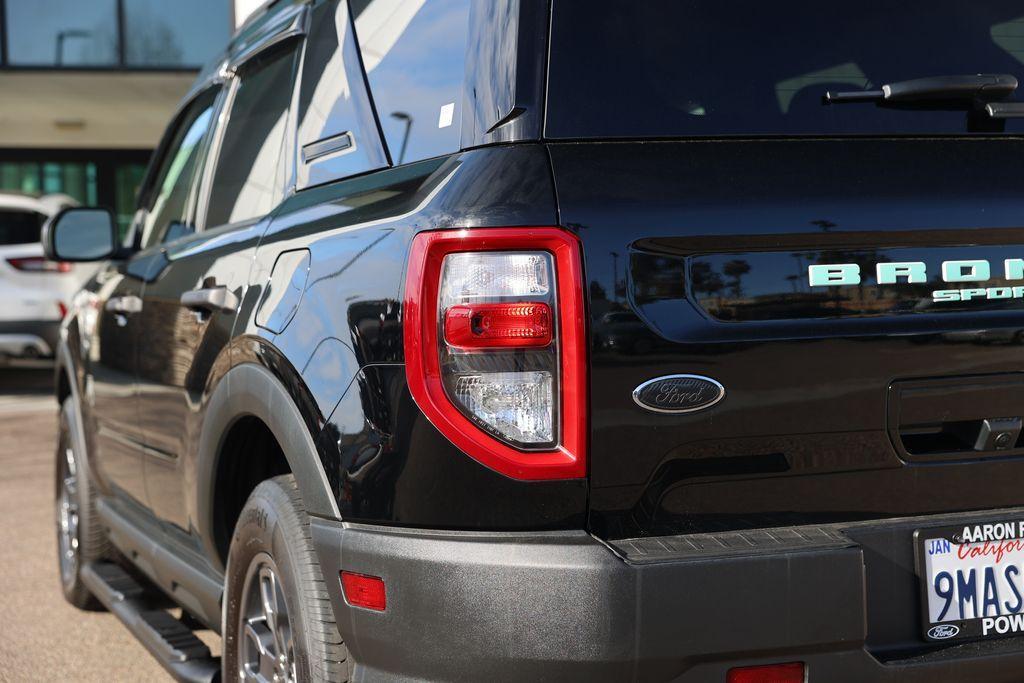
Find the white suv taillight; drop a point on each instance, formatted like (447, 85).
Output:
(495, 348)
(38, 264)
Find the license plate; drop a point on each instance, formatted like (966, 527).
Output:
(972, 580)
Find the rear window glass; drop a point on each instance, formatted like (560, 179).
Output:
(19, 227)
(414, 53)
(670, 68)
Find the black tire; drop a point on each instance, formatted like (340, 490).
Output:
(80, 537)
(272, 536)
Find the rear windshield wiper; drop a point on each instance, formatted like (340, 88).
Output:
(936, 90)
(979, 94)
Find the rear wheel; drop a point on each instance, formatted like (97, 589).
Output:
(278, 622)
(80, 538)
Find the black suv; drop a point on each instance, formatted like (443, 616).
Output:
(522, 340)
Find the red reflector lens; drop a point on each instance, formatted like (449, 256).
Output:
(483, 326)
(364, 591)
(791, 672)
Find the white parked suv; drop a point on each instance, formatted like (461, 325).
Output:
(35, 292)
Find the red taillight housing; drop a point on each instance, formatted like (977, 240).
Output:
(790, 672)
(495, 347)
(364, 591)
(38, 264)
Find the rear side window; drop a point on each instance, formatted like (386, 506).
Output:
(19, 227)
(664, 68)
(246, 182)
(337, 131)
(414, 53)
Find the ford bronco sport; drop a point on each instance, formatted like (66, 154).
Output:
(525, 340)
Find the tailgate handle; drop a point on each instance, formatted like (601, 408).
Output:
(943, 418)
(211, 299)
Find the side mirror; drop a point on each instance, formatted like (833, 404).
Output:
(80, 234)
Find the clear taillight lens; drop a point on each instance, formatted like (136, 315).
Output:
(518, 406)
(479, 276)
(499, 357)
(496, 348)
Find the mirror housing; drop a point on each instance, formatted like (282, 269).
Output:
(80, 234)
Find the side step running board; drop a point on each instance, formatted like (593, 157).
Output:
(176, 647)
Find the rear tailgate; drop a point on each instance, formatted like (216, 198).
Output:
(842, 402)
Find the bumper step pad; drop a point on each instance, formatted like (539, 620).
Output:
(172, 643)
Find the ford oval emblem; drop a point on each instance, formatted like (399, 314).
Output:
(943, 631)
(678, 393)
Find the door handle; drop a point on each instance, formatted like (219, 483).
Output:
(123, 305)
(211, 299)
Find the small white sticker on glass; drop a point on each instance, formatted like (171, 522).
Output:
(447, 114)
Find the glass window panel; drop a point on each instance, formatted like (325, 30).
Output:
(246, 183)
(414, 53)
(91, 188)
(176, 170)
(333, 101)
(20, 176)
(52, 181)
(664, 68)
(19, 227)
(127, 179)
(75, 179)
(61, 32)
(179, 33)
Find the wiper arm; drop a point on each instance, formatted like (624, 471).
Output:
(937, 90)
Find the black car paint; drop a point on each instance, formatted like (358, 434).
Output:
(338, 360)
(372, 429)
(799, 439)
(801, 436)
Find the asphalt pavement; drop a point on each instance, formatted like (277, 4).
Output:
(42, 638)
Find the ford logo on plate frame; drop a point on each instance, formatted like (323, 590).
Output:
(678, 393)
(943, 631)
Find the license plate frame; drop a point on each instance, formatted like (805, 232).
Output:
(968, 629)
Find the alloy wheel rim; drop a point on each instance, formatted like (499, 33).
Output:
(67, 517)
(266, 639)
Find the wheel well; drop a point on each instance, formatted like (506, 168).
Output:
(249, 455)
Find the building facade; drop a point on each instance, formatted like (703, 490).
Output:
(87, 87)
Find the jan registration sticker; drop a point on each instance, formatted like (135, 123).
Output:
(972, 580)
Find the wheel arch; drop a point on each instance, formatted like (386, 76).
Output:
(246, 391)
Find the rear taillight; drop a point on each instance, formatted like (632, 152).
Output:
(495, 346)
(38, 264)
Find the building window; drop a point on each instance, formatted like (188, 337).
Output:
(179, 33)
(100, 178)
(157, 34)
(61, 33)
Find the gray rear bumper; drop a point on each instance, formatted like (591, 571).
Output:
(564, 606)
